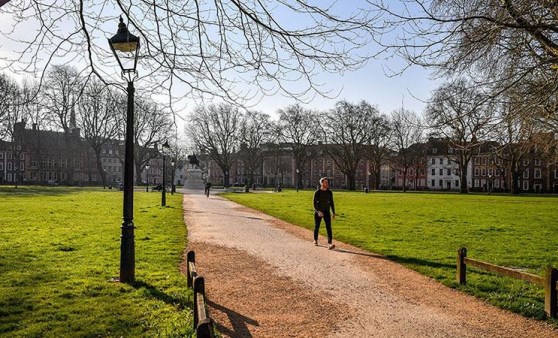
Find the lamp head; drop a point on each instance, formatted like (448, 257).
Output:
(125, 47)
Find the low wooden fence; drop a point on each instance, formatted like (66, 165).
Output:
(548, 281)
(203, 324)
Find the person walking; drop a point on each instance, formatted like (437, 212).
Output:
(323, 202)
(207, 188)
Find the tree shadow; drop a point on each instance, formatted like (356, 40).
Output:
(160, 295)
(399, 259)
(238, 321)
(420, 262)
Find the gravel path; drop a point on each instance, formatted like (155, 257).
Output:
(265, 278)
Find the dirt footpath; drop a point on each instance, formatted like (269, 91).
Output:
(265, 278)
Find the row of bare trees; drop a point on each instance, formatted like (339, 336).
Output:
(350, 132)
(68, 101)
(457, 113)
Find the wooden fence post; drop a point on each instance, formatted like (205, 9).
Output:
(204, 329)
(199, 287)
(461, 266)
(550, 305)
(190, 257)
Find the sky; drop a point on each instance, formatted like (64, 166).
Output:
(410, 90)
(371, 83)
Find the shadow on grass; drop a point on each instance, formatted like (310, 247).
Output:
(238, 322)
(420, 262)
(399, 259)
(32, 191)
(157, 294)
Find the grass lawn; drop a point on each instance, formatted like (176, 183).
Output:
(59, 247)
(424, 231)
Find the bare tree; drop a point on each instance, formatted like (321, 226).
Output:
(407, 134)
(461, 114)
(378, 149)
(347, 132)
(97, 116)
(152, 125)
(215, 130)
(237, 50)
(256, 131)
(61, 92)
(498, 43)
(300, 129)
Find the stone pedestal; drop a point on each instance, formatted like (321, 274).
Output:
(193, 179)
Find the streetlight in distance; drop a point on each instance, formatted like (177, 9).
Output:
(164, 149)
(297, 172)
(147, 178)
(173, 162)
(125, 47)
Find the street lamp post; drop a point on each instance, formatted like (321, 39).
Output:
(147, 178)
(297, 173)
(368, 181)
(165, 147)
(172, 175)
(125, 47)
(489, 183)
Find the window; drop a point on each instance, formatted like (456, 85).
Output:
(441, 183)
(441, 171)
(526, 173)
(441, 161)
(476, 183)
(484, 160)
(433, 182)
(490, 172)
(537, 173)
(9, 165)
(434, 150)
(433, 172)
(538, 163)
(477, 171)
(9, 177)
(525, 185)
(525, 163)
(1, 156)
(1, 165)
(483, 172)
(555, 173)
(22, 156)
(456, 183)
(477, 160)
(448, 172)
(9, 156)
(412, 172)
(433, 161)
(22, 167)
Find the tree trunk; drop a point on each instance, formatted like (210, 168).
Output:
(100, 169)
(138, 170)
(377, 179)
(514, 182)
(463, 189)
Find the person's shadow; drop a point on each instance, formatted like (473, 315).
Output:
(238, 321)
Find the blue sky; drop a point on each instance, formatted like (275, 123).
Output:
(370, 83)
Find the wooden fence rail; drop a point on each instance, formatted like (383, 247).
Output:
(548, 282)
(203, 325)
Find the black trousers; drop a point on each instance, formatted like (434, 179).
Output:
(327, 221)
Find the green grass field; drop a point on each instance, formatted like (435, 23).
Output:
(424, 231)
(59, 247)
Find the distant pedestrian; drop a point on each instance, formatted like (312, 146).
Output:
(207, 188)
(323, 202)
